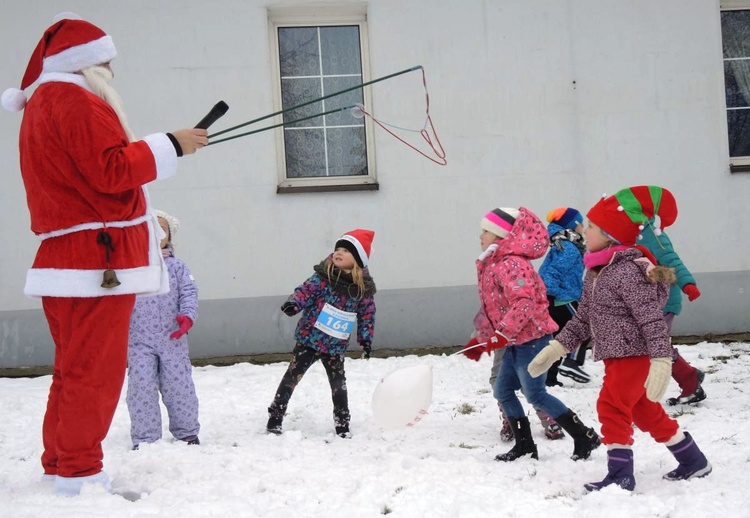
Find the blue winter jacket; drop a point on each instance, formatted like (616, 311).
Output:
(562, 269)
(661, 247)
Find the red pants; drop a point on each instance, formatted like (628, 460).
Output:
(622, 402)
(91, 351)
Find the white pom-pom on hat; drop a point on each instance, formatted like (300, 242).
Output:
(14, 100)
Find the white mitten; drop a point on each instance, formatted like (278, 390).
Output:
(546, 357)
(658, 378)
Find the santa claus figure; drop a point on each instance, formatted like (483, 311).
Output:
(84, 174)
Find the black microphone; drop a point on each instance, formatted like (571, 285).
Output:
(215, 114)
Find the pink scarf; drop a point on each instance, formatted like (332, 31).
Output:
(602, 257)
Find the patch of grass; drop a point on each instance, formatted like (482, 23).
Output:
(465, 409)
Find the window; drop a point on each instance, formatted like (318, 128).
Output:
(318, 53)
(735, 36)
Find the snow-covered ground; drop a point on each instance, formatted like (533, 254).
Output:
(442, 467)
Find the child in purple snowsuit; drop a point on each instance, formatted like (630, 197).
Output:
(158, 359)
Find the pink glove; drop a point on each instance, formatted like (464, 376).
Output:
(498, 341)
(185, 324)
(474, 353)
(692, 292)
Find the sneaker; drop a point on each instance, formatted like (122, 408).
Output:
(696, 397)
(192, 440)
(553, 431)
(570, 369)
(690, 399)
(343, 432)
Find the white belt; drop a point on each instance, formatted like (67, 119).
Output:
(95, 226)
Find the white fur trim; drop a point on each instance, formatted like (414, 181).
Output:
(358, 246)
(52, 282)
(164, 153)
(487, 252)
(13, 100)
(64, 77)
(77, 58)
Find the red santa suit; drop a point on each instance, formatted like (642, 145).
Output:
(84, 187)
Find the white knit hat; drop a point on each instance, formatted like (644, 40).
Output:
(172, 222)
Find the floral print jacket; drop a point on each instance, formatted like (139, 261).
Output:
(512, 293)
(620, 309)
(311, 297)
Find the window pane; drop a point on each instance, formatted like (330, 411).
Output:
(736, 95)
(304, 153)
(735, 33)
(739, 132)
(336, 84)
(340, 49)
(298, 91)
(347, 152)
(298, 51)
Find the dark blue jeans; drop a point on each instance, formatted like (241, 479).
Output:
(514, 376)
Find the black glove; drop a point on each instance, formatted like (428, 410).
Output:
(289, 308)
(366, 350)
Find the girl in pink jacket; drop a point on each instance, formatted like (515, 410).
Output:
(514, 301)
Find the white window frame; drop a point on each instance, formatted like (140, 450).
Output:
(737, 164)
(319, 16)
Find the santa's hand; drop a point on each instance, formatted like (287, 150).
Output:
(185, 324)
(190, 140)
(546, 357)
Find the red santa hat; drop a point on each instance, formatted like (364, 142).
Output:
(623, 215)
(359, 243)
(68, 46)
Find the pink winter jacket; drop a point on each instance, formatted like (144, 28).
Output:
(513, 296)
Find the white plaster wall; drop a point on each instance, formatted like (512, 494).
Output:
(538, 103)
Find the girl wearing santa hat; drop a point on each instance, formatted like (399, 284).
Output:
(338, 295)
(621, 311)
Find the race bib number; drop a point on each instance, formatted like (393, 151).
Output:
(335, 323)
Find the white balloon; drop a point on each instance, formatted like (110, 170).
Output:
(403, 397)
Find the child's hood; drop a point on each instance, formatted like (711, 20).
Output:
(528, 237)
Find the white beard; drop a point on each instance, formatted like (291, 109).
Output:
(98, 78)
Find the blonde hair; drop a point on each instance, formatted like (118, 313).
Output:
(357, 277)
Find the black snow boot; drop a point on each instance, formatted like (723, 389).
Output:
(524, 442)
(585, 440)
(275, 419)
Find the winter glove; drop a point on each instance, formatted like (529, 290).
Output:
(546, 357)
(185, 324)
(498, 341)
(289, 308)
(658, 378)
(473, 350)
(366, 350)
(692, 291)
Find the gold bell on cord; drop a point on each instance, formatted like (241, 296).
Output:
(110, 279)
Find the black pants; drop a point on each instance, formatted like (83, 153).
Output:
(561, 315)
(302, 359)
